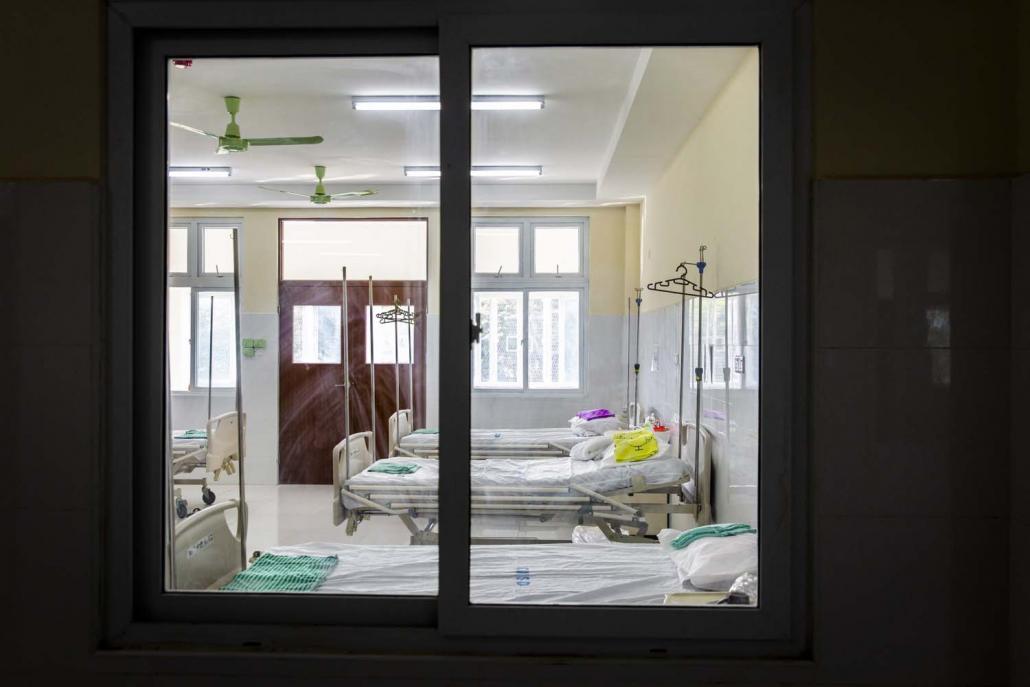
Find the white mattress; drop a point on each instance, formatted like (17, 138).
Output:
(499, 438)
(525, 474)
(625, 574)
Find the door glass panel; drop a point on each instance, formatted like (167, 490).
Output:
(316, 334)
(608, 433)
(337, 452)
(389, 250)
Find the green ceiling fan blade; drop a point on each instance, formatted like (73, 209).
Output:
(366, 192)
(192, 129)
(286, 141)
(289, 193)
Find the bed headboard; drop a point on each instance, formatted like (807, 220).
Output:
(207, 552)
(703, 485)
(404, 418)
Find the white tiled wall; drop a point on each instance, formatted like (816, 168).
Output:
(729, 401)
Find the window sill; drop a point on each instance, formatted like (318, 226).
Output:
(225, 392)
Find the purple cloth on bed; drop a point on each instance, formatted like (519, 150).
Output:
(596, 414)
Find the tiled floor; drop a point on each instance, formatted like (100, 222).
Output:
(296, 514)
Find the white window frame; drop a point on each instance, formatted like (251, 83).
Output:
(196, 280)
(527, 280)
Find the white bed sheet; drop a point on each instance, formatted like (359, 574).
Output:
(499, 438)
(624, 574)
(526, 474)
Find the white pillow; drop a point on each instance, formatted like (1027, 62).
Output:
(590, 449)
(712, 562)
(599, 426)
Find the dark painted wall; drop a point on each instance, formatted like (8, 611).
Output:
(921, 531)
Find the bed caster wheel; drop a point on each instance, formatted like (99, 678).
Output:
(208, 496)
(180, 508)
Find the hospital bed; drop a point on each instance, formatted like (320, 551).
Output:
(588, 492)
(533, 442)
(207, 558)
(216, 451)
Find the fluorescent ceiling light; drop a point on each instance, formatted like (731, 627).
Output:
(199, 172)
(507, 102)
(432, 102)
(396, 102)
(481, 171)
(422, 172)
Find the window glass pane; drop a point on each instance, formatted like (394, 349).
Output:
(556, 250)
(218, 251)
(497, 250)
(342, 200)
(385, 249)
(565, 363)
(179, 327)
(316, 334)
(497, 358)
(178, 249)
(553, 339)
(216, 339)
(387, 334)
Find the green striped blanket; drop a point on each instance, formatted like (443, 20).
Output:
(272, 573)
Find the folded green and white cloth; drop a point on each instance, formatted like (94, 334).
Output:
(191, 434)
(272, 573)
(426, 430)
(685, 539)
(389, 467)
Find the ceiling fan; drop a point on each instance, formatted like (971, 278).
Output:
(320, 197)
(232, 142)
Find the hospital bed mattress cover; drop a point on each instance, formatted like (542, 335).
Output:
(625, 574)
(526, 474)
(487, 438)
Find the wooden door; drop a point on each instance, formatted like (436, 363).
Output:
(310, 400)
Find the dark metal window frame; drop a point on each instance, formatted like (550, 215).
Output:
(136, 610)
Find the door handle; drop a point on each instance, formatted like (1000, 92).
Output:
(475, 330)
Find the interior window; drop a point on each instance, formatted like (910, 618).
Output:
(497, 249)
(556, 249)
(216, 329)
(553, 339)
(178, 249)
(217, 250)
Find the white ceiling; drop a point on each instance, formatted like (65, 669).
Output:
(612, 121)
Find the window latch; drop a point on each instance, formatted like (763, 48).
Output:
(475, 330)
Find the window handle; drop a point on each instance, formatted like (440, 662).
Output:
(475, 330)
